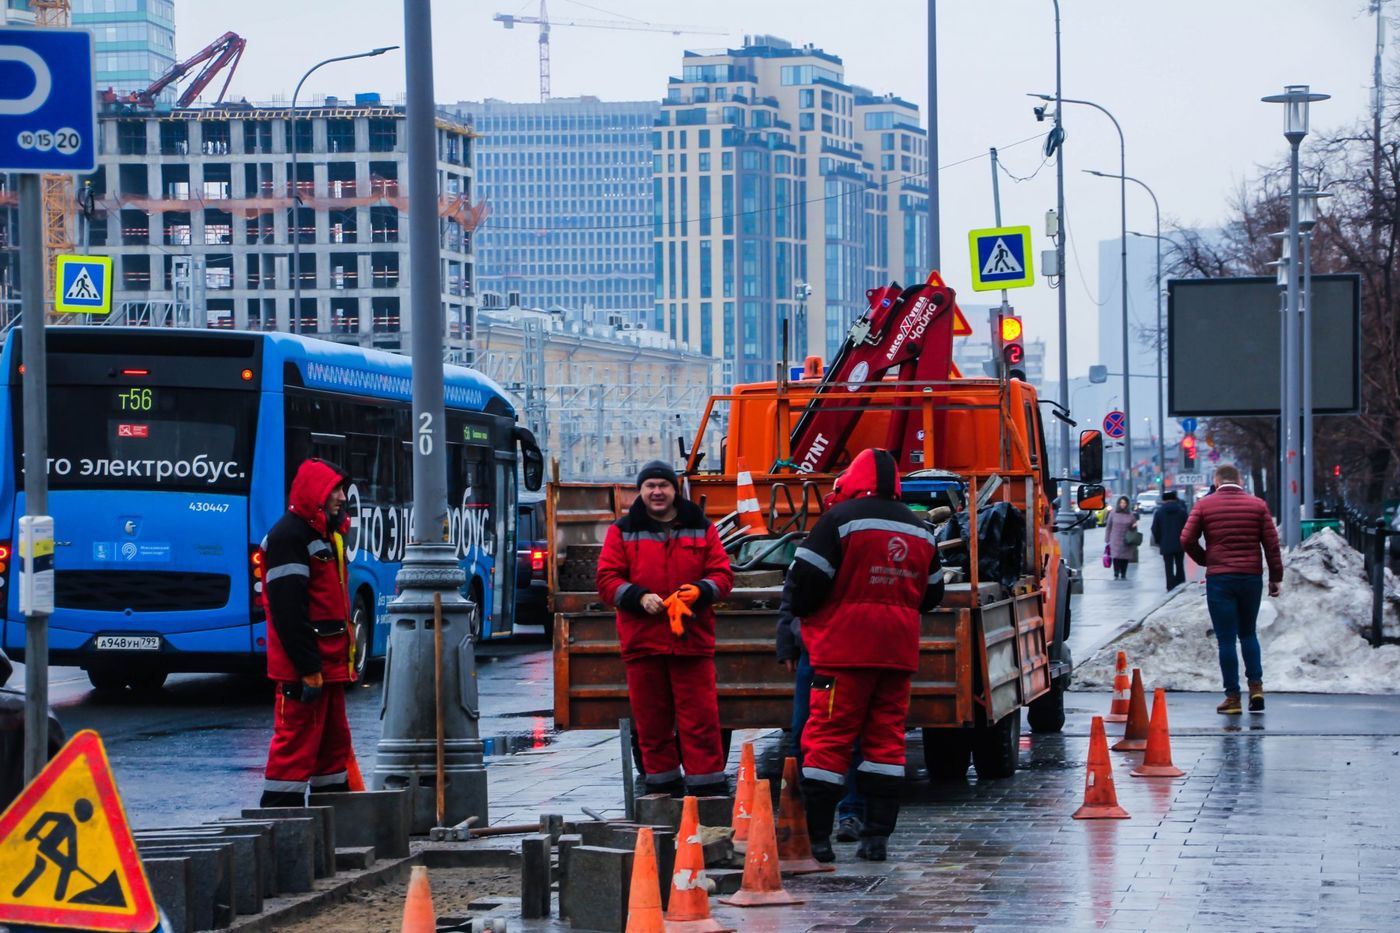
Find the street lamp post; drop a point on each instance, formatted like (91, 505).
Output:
(295, 232)
(1123, 255)
(1307, 220)
(1296, 99)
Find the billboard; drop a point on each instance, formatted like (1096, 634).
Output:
(1223, 345)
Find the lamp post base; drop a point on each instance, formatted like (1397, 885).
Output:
(406, 758)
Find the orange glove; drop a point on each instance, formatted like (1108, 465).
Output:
(676, 611)
(689, 594)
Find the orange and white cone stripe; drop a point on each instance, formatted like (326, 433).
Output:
(749, 515)
(1122, 691)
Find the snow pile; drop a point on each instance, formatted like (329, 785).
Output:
(1313, 636)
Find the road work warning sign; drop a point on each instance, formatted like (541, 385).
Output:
(67, 858)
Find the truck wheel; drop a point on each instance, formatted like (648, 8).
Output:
(947, 753)
(1047, 713)
(996, 748)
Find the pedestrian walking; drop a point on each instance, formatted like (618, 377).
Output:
(663, 568)
(1122, 537)
(308, 639)
(1167, 524)
(1236, 526)
(859, 583)
(850, 812)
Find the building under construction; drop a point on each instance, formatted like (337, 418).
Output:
(195, 206)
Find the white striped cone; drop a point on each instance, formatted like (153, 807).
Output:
(1122, 691)
(749, 515)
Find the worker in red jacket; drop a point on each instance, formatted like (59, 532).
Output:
(308, 639)
(1240, 536)
(860, 581)
(661, 560)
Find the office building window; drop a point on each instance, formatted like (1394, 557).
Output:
(727, 268)
(727, 202)
(804, 97)
(706, 268)
(707, 329)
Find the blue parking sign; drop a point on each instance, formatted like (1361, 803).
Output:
(48, 108)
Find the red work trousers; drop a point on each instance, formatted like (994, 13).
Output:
(868, 704)
(674, 695)
(310, 742)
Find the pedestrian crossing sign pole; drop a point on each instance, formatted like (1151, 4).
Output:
(84, 285)
(1001, 258)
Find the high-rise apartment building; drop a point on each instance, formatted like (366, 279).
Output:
(133, 40)
(782, 194)
(569, 187)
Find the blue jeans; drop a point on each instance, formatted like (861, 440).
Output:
(853, 804)
(1233, 601)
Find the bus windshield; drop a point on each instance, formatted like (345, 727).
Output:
(150, 437)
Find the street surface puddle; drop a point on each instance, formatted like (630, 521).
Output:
(834, 884)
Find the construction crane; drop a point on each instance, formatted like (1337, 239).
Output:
(509, 20)
(57, 190)
(223, 52)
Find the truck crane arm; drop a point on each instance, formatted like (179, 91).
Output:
(909, 331)
(223, 52)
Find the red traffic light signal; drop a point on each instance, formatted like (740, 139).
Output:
(1188, 452)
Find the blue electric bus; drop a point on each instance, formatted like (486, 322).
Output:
(171, 453)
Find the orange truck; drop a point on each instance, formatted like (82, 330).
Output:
(973, 453)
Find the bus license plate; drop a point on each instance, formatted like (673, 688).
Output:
(128, 642)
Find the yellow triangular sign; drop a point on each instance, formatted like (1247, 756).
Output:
(67, 858)
(960, 326)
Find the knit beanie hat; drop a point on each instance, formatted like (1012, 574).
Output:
(658, 469)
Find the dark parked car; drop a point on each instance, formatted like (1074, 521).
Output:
(532, 563)
(12, 736)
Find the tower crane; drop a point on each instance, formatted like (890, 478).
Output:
(57, 190)
(509, 20)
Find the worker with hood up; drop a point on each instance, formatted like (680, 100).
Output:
(859, 583)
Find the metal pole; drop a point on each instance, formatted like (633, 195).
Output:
(1161, 350)
(36, 459)
(935, 260)
(1066, 515)
(1290, 332)
(1123, 259)
(1309, 468)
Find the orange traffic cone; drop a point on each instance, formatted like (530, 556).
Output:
(749, 515)
(644, 897)
(1118, 709)
(1135, 732)
(1100, 799)
(743, 798)
(763, 884)
(688, 910)
(353, 776)
(418, 916)
(1158, 760)
(794, 843)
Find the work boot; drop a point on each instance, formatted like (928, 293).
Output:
(873, 848)
(675, 787)
(1256, 696)
(281, 798)
(848, 829)
(1231, 706)
(713, 789)
(819, 799)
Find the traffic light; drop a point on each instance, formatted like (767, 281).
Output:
(1188, 453)
(1013, 348)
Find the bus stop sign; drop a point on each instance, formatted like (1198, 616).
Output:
(48, 109)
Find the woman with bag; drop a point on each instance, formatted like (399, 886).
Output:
(1122, 538)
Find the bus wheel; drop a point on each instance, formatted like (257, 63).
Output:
(363, 620)
(148, 681)
(106, 679)
(477, 596)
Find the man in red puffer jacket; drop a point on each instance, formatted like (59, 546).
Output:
(1237, 527)
(866, 572)
(665, 547)
(308, 640)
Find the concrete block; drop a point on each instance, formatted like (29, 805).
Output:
(210, 890)
(727, 880)
(294, 851)
(597, 887)
(715, 811)
(378, 818)
(252, 854)
(534, 876)
(567, 843)
(354, 858)
(170, 882)
(552, 825)
(718, 852)
(325, 845)
(264, 834)
(659, 810)
(598, 832)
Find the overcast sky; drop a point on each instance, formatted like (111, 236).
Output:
(1184, 78)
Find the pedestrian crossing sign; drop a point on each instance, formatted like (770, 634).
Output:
(84, 285)
(1001, 258)
(67, 858)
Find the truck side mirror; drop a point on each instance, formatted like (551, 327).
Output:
(1090, 456)
(1091, 498)
(531, 459)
